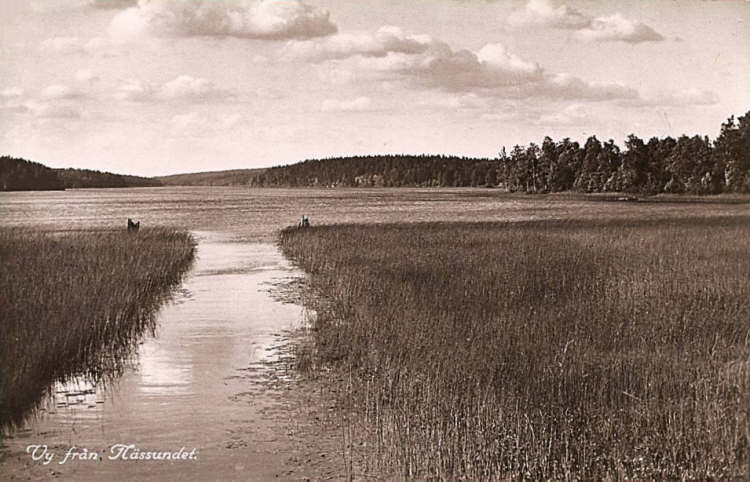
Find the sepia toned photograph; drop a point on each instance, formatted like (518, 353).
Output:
(482, 240)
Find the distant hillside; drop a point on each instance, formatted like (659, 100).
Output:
(21, 175)
(236, 177)
(685, 165)
(18, 174)
(383, 170)
(86, 178)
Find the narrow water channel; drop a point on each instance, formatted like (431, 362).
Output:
(192, 387)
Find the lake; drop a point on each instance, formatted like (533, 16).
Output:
(195, 384)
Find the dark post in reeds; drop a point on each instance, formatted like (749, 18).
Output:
(305, 223)
(133, 226)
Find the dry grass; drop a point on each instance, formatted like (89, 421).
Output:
(76, 304)
(542, 350)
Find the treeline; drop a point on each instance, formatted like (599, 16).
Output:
(18, 174)
(21, 175)
(83, 178)
(684, 165)
(381, 171)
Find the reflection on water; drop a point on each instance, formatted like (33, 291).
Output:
(187, 387)
(193, 384)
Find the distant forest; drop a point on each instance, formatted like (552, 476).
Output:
(21, 175)
(691, 165)
(685, 165)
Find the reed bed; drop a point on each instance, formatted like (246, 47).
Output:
(75, 305)
(537, 350)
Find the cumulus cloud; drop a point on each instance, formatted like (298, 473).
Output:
(359, 104)
(384, 41)
(420, 58)
(616, 27)
(184, 88)
(492, 70)
(543, 12)
(441, 66)
(264, 19)
(606, 28)
(134, 91)
(187, 87)
(566, 86)
(390, 54)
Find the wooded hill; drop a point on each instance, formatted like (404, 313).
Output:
(683, 165)
(18, 174)
(694, 165)
(235, 177)
(86, 178)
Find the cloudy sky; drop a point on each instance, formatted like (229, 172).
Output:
(163, 86)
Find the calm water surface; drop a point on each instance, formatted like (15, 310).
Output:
(192, 384)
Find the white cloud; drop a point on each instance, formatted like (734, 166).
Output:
(605, 28)
(187, 87)
(184, 87)
(459, 70)
(264, 19)
(616, 27)
(566, 86)
(385, 40)
(134, 91)
(543, 12)
(390, 54)
(358, 104)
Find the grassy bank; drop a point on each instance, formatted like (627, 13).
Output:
(539, 350)
(76, 304)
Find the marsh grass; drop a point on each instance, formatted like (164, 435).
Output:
(74, 305)
(541, 350)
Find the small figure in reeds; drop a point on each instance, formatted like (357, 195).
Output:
(133, 226)
(305, 223)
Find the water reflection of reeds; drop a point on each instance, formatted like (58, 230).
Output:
(74, 307)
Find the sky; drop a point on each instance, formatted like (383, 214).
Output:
(154, 87)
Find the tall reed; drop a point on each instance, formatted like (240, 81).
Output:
(75, 305)
(542, 350)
